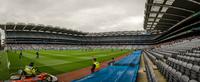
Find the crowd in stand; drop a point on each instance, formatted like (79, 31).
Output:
(179, 41)
(65, 47)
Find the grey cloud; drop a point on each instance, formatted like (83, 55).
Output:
(83, 15)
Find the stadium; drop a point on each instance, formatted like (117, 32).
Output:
(167, 50)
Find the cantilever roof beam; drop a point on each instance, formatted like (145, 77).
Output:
(186, 19)
(156, 4)
(168, 12)
(24, 27)
(157, 13)
(164, 19)
(15, 26)
(194, 2)
(35, 26)
(165, 13)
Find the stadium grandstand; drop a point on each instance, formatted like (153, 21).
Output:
(176, 50)
(26, 34)
(168, 50)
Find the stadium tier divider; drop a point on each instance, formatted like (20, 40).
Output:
(149, 69)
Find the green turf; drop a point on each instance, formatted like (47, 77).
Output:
(3, 65)
(57, 61)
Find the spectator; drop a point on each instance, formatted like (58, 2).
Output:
(111, 62)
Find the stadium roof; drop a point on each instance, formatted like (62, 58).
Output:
(40, 28)
(50, 29)
(162, 15)
(117, 33)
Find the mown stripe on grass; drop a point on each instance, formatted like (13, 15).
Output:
(57, 63)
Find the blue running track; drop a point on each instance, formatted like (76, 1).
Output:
(124, 70)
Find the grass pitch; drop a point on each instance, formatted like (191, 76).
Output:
(55, 61)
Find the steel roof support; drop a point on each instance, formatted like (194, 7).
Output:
(24, 27)
(168, 14)
(156, 4)
(194, 1)
(34, 27)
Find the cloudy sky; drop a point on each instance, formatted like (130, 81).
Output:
(82, 15)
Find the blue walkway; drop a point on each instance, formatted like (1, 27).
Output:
(124, 70)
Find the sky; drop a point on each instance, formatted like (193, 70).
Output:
(81, 15)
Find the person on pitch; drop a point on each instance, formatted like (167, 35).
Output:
(30, 70)
(95, 65)
(111, 62)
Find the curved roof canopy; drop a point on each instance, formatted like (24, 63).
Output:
(40, 28)
(50, 29)
(161, 15)
(117, 33)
